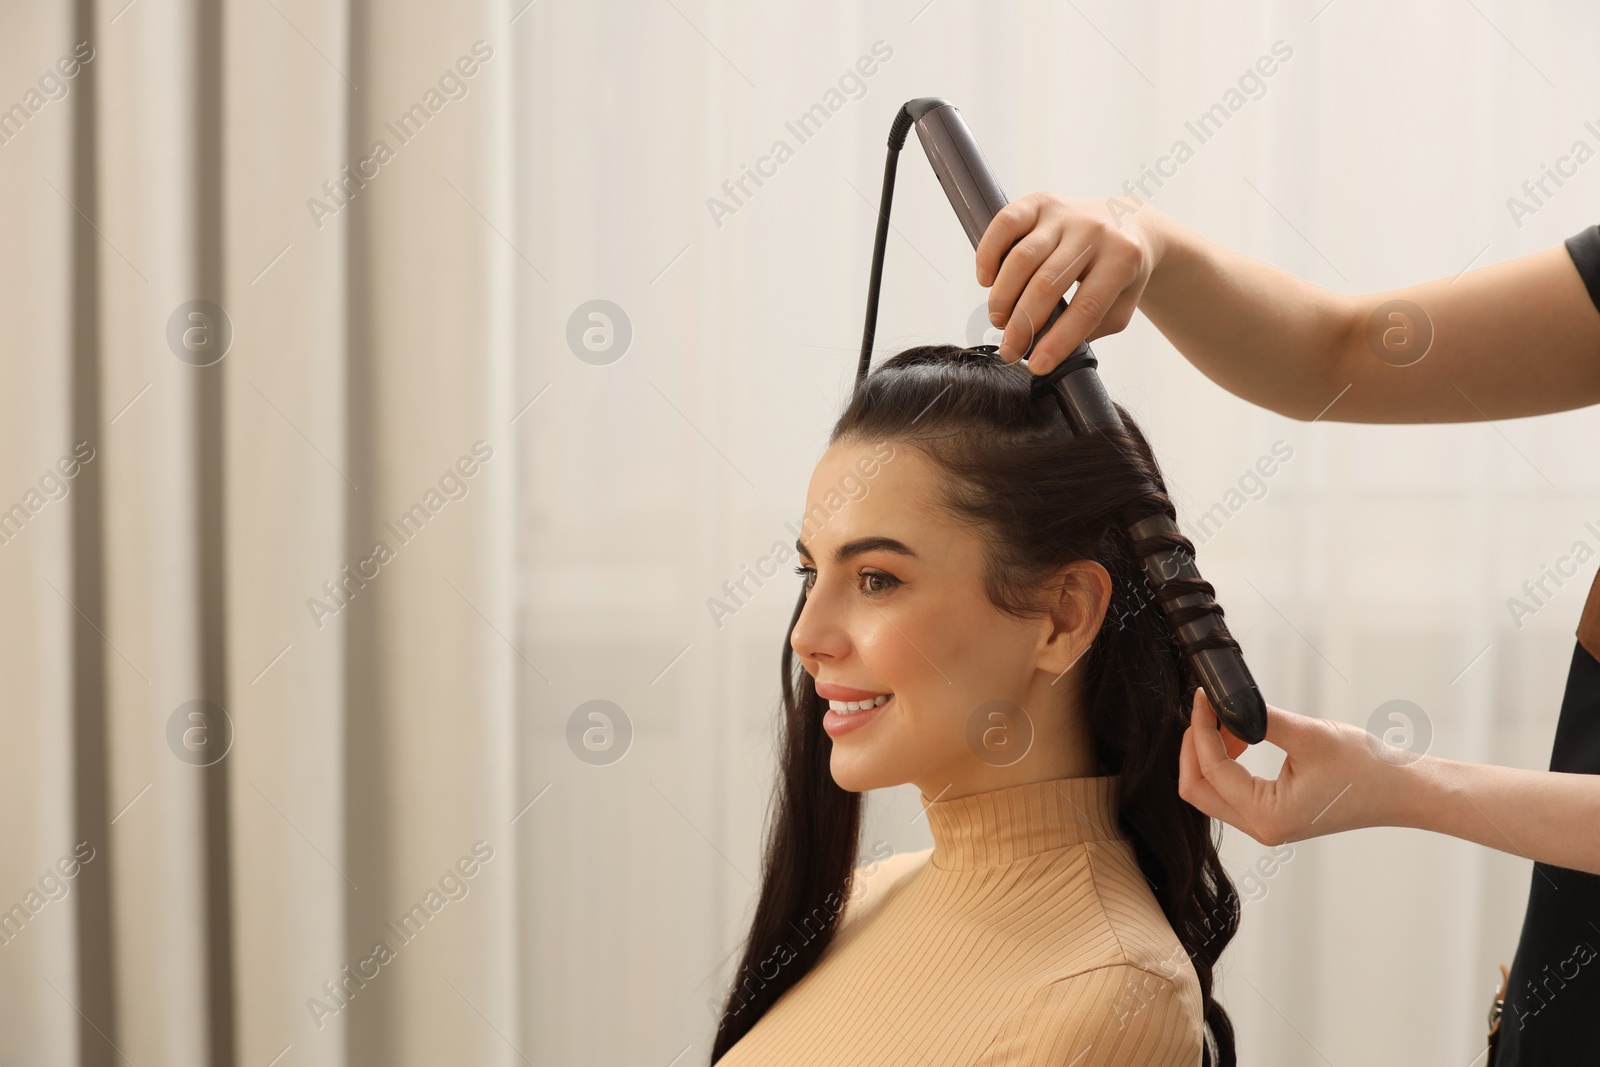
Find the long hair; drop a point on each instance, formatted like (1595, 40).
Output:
(1040, 498)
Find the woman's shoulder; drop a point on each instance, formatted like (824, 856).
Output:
(1127, 992)
(1139, 934)
(1122, 990)
(1104, 1017)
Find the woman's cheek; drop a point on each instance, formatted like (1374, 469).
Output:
(892, 658)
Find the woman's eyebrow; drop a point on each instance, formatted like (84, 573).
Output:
(860, 545)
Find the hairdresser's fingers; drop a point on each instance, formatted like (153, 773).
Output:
(1202, 706)
(1119, 315)
(1295, 734)
(1036, 248)
(1032, 278)
(1028, 249)
(1098, 290)
(1301, 735)
(1219, 768)
(1201, 710)
(1234, 746)
(1326, 783)
(1258, 806)
(1214, 746)
(1071, 260)
(1193, 785)
(1008, 224)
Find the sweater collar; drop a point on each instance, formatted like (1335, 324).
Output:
(1008, 824)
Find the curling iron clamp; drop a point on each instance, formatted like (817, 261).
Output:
(1186, 599)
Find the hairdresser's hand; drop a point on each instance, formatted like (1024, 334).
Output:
(1335, 777)
(1101, 243)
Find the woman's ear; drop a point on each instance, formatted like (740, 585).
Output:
(1081, 595)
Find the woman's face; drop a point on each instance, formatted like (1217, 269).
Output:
(977, 699)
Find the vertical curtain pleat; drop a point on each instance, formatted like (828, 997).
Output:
(40, 418)
(148, 211)
(430, 665)
(93, 813)
(289, 504)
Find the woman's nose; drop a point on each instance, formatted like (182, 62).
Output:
(818, 633)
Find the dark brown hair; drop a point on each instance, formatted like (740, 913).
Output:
(1040, 497)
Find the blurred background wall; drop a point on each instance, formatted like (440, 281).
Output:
(547, 352)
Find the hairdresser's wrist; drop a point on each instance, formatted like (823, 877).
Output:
(1175, 250)
(1372, 785)
(1418, 793)
(1187, 288)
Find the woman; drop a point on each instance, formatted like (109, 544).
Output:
(972, 621)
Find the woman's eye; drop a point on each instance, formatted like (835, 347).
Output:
(889, 580)
(808, 576)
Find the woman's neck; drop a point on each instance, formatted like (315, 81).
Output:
(990, 764)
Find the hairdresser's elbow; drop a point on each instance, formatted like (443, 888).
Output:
(1332, 364)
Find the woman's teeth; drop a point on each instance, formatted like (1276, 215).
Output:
(845, 707)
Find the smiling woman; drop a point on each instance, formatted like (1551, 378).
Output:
(977, 626)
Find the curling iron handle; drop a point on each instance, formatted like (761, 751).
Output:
(970, 185)
(959, 163)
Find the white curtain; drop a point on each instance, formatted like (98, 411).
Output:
(560, 276)
(371, 762)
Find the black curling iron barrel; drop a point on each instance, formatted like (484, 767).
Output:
(1186, 599)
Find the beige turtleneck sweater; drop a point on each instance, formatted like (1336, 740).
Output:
(1026, 936)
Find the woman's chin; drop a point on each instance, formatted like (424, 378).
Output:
(857, 772)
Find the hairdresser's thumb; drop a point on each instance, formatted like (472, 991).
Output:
(1292, 732)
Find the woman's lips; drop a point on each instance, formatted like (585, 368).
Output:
(839, 723)
(831, 691)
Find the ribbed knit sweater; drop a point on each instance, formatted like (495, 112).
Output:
(1026, 936)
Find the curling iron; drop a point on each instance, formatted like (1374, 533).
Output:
(1186, 599)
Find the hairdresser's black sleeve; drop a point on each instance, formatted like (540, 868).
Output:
(1584, 248)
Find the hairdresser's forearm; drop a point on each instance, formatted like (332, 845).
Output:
(1257, 331)
(1508, 340)
(1540, 815)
